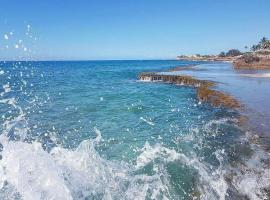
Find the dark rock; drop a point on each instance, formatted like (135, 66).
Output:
(204, 93)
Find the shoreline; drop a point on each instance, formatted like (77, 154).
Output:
(205, 91)
(214, 97)
(248, 60)
(208, 59)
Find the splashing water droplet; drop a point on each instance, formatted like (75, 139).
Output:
(6, 36)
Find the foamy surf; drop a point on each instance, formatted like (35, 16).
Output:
(147, 121)
(30, 172)
(257, 75)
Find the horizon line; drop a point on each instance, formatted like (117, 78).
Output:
(85, 60)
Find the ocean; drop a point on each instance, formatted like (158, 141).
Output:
(91, 130)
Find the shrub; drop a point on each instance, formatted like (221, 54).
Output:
(233, 52)
(249, 58)
(222, 54)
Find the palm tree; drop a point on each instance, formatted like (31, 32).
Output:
(263, 43)
(263, 40)
(255, 47)
(267, 45)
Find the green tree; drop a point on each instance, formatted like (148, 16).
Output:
(262, 45)
(263, 40)
(233, 52)
(267, 45)
(222, 54)
(254, 47)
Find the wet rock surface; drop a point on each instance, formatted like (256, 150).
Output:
(205, 93)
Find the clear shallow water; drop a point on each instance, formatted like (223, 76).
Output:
(251, 87)
(90, 130)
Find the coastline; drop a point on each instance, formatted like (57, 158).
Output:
(259, 60)
(209, 91)
(205, 91)
(210, 58)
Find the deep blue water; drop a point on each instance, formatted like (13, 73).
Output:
(91, 130)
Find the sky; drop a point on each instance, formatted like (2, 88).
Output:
(128, 29)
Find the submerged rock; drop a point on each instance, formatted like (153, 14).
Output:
(216, 98)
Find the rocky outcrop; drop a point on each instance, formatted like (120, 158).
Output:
(216, 98)
(204, 91)
(252, 61)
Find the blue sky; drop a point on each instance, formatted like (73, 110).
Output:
(128, 29)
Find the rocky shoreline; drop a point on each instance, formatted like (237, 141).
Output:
(252, 61)
(208, 91)
(246, 61)
(205, 91)
(258, 57)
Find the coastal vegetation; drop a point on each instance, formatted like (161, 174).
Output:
(234, 52)
(223, 56)
(258, 57)
(264, 44)
(231, 53)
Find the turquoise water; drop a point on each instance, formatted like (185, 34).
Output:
(91, 130)
(250, 87)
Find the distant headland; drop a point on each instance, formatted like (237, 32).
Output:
(258, 56)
